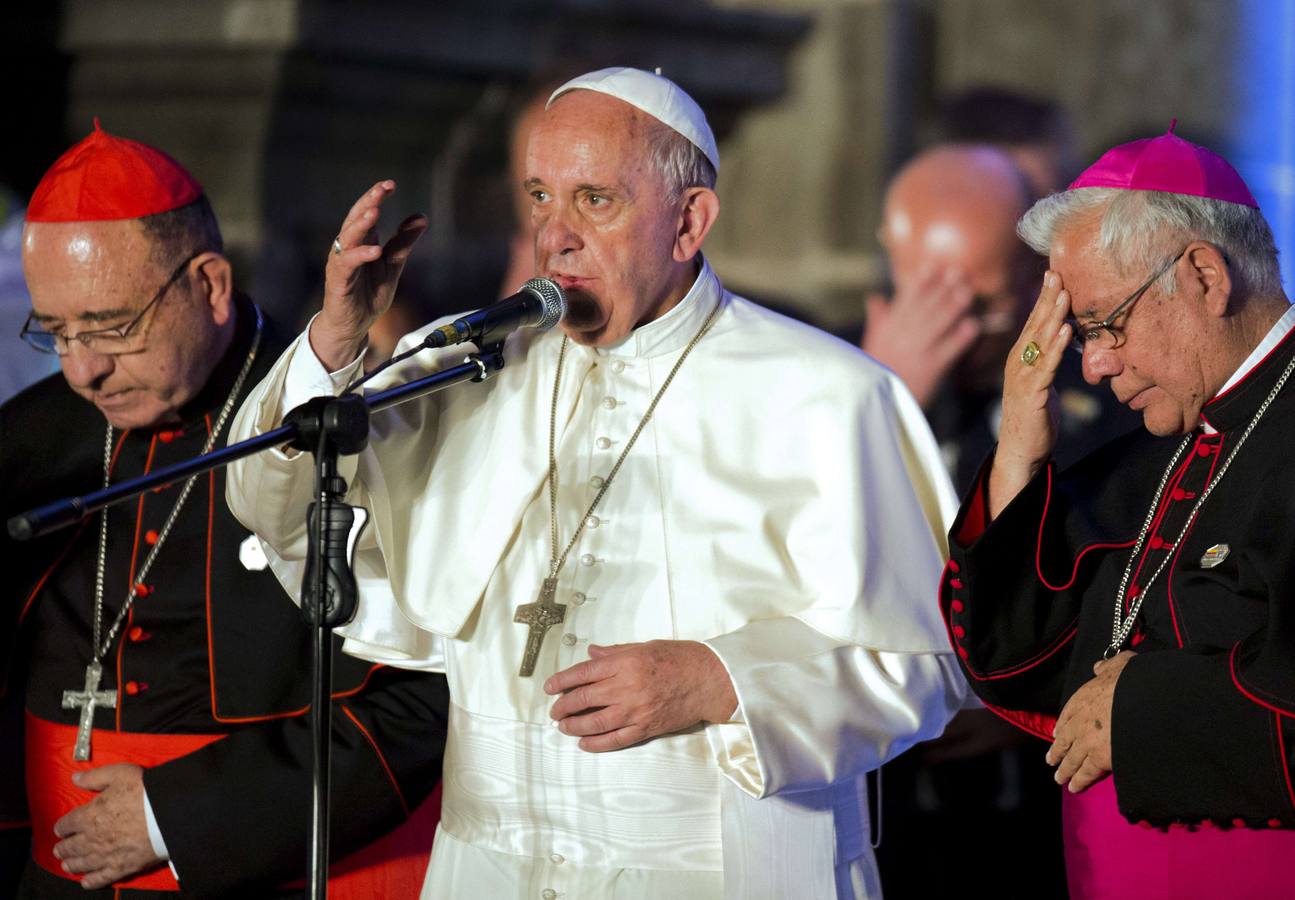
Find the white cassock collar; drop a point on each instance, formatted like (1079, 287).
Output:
(672, 332)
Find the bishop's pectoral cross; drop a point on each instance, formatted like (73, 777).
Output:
(540, 616)
(88, 699)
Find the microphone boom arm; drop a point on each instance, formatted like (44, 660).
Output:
(61, 513)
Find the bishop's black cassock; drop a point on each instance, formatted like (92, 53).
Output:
(211, 648)
(1202, 730)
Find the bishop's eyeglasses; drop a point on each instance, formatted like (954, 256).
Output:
(126, 338)
(1106, 335)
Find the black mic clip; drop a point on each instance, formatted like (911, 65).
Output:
(344, 421)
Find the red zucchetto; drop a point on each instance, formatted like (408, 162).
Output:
(105, 177)
(1167, 163)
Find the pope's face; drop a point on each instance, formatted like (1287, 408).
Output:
(604, 227)
(86, 276)
(1160, 369)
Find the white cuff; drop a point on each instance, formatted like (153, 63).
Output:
(307, 377)
(155, 839)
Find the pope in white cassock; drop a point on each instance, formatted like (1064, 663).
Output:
(742, 540)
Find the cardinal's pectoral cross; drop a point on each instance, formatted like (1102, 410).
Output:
(87, 700)
(540, 616)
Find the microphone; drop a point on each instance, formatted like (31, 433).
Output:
(539, 304)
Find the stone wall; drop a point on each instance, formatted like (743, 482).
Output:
(803, 178)
(287, 110)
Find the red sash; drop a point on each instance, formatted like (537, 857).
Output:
(392, 867)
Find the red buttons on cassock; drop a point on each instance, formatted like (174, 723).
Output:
(1134, 590)
(1157, 542)
(1239, 822)
(1206, 824)
(138, 634)
(959, 632)
(957, 606)
(1204, 449)
(962, 651)
(1274, 823)
(136, 687)
(150, 536)
(166, 437)
(1178, 494)
(955, 583)
(954, 567)
(1145, 824)
(143, 590)
(1177, 826)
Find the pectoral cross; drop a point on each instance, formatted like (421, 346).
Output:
(88, 699)
(540, 616)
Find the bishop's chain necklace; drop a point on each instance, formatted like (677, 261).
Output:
(1123, 625)
(546, 612)
(90, 696)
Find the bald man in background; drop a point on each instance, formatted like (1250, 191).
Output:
(963, 285)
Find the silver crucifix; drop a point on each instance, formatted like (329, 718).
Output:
(87, 700)
(540, 616)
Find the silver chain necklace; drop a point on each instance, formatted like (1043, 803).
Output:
(1123, 625)
(90, 697)
(546, 612)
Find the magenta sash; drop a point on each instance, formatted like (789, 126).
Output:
(1106, 857)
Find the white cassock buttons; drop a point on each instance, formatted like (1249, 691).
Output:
(603, 443)
(618, 366)
(549, 894)
(578, 598)
(609, 402)
(588, 559)
(596, 482)
(557, 859)
(592, 521)
(569, 639)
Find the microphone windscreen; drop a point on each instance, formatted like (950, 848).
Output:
(552, 298)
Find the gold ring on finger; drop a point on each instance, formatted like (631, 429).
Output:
(1030, 353)
(337, 247)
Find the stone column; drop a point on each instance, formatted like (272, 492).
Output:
(802, 180)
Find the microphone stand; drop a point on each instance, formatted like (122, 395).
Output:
(327, 427)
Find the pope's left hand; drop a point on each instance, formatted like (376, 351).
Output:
(1081, 745)
(106, 839)
(629, 693)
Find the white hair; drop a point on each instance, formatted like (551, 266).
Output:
(679, 161)
(1143, 230)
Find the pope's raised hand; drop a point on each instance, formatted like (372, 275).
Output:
(360, 277)
(1028, 430)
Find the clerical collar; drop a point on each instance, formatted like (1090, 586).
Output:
(672, 332)
(1253, 379)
